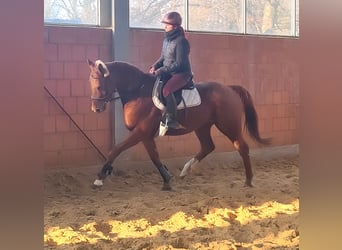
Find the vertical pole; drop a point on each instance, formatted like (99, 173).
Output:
(121, 53)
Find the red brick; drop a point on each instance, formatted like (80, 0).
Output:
(92, 52)
(78, 156)
(63, 88)
(103, 120)
(285, 98)
(62, 123)
(61, 34)
(92, 157)
(46, 35)
(70, 140)
(277, 97)
(98, 137)
(83, 71)
(265, 111)
(77, 88)
(70, 70)
(78, 52)
(64, 52)
(268, 97)
(108, 138)
(51, 159)
(280, 110)
(83, 105)
(262, 125)
(293, 123)
(54, 142)
(51, 86)
(49, 124)
(66, 158)
(56, 70)
(51, 52)
(54, 109)
(45, 106)
(280, 124)
(106, 53)
(90, 121)
(82, 141)
(70, 104)
(46, 70)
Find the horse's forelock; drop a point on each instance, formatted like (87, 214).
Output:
(106, 71)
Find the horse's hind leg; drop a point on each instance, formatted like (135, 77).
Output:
(151, 149)
(207, 146)
(235, 135)
(243, 149)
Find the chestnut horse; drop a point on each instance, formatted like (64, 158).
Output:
(222, 106)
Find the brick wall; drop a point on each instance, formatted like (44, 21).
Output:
(265, 66)
(66, 78)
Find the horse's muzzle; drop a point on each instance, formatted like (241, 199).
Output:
(98, 107)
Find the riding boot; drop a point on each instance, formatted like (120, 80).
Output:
(171, 112)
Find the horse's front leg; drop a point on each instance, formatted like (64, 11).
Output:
(152, 151)
(133, 138)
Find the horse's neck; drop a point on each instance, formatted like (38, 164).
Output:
(133, 84)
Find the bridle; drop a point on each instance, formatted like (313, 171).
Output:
(106, 98)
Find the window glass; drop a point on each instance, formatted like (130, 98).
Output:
(266, 17)
(270, 17)
(149, 13)
(216, 15)
(71, 12)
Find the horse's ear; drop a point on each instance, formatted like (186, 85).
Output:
(90, 63)
(102, 68)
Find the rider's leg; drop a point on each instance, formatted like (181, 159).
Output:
(171, 111)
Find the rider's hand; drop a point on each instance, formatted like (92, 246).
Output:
(152, 70)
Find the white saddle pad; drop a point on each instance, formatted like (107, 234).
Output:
(191, 98)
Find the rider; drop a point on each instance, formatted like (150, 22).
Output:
(173, 66)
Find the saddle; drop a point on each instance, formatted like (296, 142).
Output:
(186, 96)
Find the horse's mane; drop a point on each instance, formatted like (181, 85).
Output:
(125, 66)
(129, 70)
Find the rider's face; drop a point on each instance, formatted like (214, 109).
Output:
(169, 27)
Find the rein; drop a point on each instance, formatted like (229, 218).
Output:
(105, 99)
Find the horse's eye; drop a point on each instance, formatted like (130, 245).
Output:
(98, 88)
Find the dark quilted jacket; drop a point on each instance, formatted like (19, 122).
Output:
(175, 54)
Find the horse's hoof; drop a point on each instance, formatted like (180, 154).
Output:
(98, 183)
(166, 187)
(248, 184)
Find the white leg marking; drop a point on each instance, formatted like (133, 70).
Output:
(98, 183)
(187, 166)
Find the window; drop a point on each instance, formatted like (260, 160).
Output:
(78, 12)
(266, 17)
(148, 13)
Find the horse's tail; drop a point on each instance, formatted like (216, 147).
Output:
(251, 117)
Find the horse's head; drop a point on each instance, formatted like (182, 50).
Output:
(99, 87)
